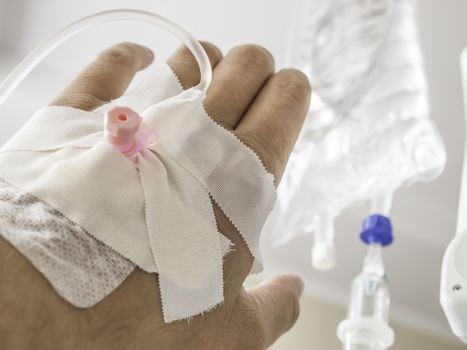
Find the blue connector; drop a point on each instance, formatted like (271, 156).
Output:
(377, 228)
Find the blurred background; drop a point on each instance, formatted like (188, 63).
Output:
(424, 216)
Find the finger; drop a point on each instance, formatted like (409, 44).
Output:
(272, 123)
(277, 304)
(236, 81)
(106, 78)
(184, 64)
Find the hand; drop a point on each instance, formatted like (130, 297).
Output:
(266, 111)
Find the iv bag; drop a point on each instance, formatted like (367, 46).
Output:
(338, 44)
(368, 131)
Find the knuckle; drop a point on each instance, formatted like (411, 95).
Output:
(184, 51)
(123, 54)
(186, 58)
(255, 55)
(294, 85)
(213, 52)
(184, 63)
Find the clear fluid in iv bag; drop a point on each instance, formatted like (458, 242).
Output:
(352, 33)
(386, 142)
(329, 37)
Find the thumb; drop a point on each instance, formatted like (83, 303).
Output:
(278, 305)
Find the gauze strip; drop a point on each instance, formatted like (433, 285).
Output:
(81, 269)
(215, 167)
(157, 214)
(233, 173)
(184, 242)
(162, 84)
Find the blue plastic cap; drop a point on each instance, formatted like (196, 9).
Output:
(377, 228)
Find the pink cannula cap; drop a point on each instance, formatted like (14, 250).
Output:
(121, 125)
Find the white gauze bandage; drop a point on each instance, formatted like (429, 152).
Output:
(159, 214)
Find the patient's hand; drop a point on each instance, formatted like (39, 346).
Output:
(265, 109)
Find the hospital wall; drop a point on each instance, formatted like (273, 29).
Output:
(316, 330)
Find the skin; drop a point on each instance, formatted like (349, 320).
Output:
(266, 110)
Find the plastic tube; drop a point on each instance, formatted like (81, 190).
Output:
(374, 260)
(323, 252)
(366, 326)
(382, 205)
(35, 57)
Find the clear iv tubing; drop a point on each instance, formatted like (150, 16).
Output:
(34, 58)
(382, 205)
